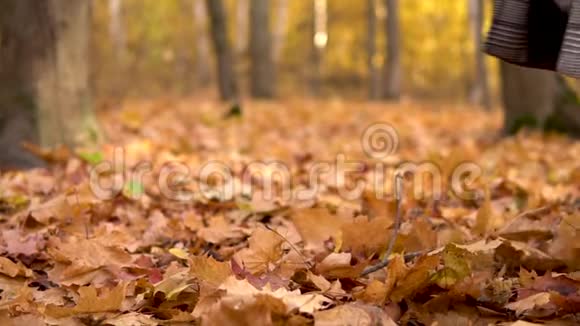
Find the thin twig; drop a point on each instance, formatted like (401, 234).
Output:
(398, 197)
(291, 245)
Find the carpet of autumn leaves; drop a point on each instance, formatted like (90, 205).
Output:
(510, 255)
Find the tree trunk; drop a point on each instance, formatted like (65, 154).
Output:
(319, 42)
(226, 78)
(45, 94)
(262, 82)
(540, 99)
(116, 28)
(528, 96)
(374, 76)
(480, 89)
(118, 40)
(393, 64)
(202, 62)
(281, 29)
(242, 13)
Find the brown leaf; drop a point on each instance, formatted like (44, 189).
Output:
(219, 230)
(265, 250)
(374, 293)
(339, 265)
(416, 279)
(316, 225)
(90, 301)
(532, 302)
(353, 314)
(16, 244)
(396, 271)
(366, 237)
(243, 291)
(7, 267)
(209, 270)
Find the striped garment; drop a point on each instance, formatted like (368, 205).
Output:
(542, 34)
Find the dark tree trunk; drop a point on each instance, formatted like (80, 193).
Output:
(44, 96)
(262, 71)
(393, 52)
(528, 96)
(540, 99)
(480, 90)
(374, 75)
(225, 67)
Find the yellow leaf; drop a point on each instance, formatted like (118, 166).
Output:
(179, 253)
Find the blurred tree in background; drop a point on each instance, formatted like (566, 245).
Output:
(151, 47)
(45, 96)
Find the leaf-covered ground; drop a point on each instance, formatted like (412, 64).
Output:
(509, 252)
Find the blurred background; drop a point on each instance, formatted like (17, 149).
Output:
(349, 49)
(63, 62)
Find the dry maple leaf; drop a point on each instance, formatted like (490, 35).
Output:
(330, 289)
(353, 314)
(9, 268)
(262, 310)
(219, 230)
(339, 265)
(420, 236)
(532, 302)
(374, 293)
(263, 252)
(396, 271)
(35, 319)
(210, 272)
(91, 302)
(78, 256)
(16, 244)
(132, 319)
(536, 224)
(12, 289)
(366, 237)
(416, 279)
(243, 290)
(566, 244)
(172, 285)
(317, 225)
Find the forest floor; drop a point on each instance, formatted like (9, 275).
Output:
(160, 226)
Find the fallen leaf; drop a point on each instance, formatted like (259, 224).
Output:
(316, 225)
(242, 291)
(366, 237)
(532, 302)
(353, 314)
(338, 265)
(91, 302)
(416, 279)
(263, 252)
